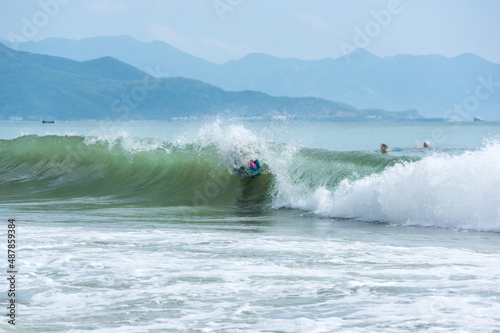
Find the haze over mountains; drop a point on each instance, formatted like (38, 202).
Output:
(438, 87)
(41, 87)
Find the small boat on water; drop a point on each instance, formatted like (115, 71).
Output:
(478, 119)
(47, 121)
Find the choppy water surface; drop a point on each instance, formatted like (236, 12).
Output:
(119, 231)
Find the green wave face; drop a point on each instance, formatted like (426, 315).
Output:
(153, 172)
(53, 167)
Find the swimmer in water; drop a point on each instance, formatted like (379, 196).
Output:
(426, 145)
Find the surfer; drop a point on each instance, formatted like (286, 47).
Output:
(384, 148)
(254, 165)
(250, 169)
(426, 145)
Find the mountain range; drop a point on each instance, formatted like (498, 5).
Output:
(43, 87)
(431, 84)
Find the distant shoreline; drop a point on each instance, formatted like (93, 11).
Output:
(251, 119)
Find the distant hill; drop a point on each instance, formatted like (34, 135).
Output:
(41, 87)
(171, 61)
(431, 84)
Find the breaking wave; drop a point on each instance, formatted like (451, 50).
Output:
(439, 190)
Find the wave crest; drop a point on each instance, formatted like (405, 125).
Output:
(439, 190)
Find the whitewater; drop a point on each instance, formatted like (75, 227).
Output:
(145, 226)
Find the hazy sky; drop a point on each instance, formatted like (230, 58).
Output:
(222, 30)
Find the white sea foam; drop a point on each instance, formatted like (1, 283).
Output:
(439, 190)
(119, 137)
(235, 143)
(122, 275)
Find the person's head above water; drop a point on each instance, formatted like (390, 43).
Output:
(384, 148)
(426, 145)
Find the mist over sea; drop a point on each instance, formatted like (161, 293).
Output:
(145, 226)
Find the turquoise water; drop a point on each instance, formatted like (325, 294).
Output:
(143, 226)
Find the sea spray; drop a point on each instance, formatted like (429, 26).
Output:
(234, 143)
(439, 190)
(115, 168)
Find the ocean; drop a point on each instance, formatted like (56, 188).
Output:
(145, 227)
